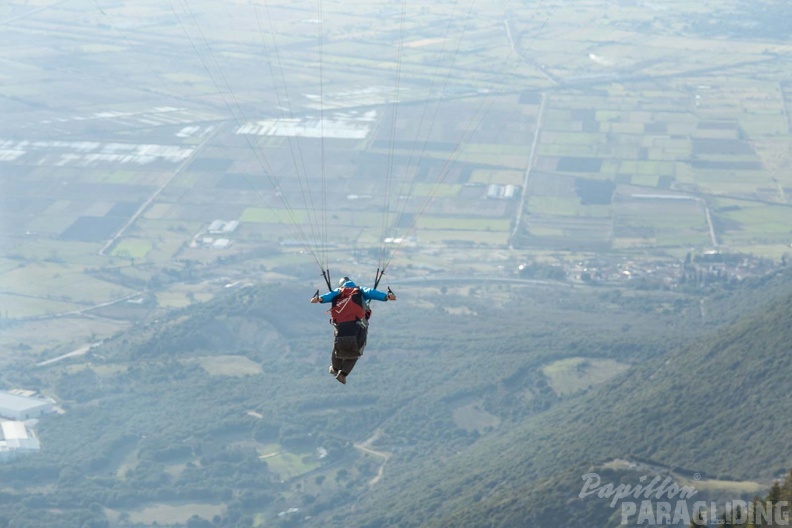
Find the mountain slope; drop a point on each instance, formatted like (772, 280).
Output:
(718, 407)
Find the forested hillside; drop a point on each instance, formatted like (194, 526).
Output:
(474, 404)
(716, 407)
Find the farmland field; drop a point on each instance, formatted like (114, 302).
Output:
(486, 147)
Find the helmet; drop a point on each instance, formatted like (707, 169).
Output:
(342, 281)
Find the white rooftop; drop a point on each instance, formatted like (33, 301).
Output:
(19, 403)
(13, 430)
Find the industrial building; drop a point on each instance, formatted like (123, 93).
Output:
(222, 227)
(16, 407)
(501, 192)
(15, 437)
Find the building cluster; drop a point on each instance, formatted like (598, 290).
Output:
(695, 270)
(502, 192)
(216, 235)
(18, 412)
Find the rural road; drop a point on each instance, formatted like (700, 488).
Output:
(365, 447)
(79, 352)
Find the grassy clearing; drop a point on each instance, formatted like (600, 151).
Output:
(285, 463)
(181, 296)
(738, 487)
(229, 365)
(129, 462)
(108, 370)
(175, 513)
(472, 417)
(132, 248)
(569, 376)
(618, 464)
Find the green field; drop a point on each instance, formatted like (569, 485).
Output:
(61, 282)
(132, 248)
(285, 463)
(462, 224)
(226, 365)
(172, 513)
(274, 216)
(569, 376)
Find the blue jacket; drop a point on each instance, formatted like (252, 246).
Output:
(367, 293)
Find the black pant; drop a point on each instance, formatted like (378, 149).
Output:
(349, 343)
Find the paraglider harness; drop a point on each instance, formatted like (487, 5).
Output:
(349, 316)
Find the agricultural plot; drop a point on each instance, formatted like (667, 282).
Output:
(708, 150)
(135, 165)
(659, 222)
(59, 281)
(21, 306)
(743, 223)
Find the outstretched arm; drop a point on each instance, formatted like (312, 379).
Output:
(377, 295)
(327, 297)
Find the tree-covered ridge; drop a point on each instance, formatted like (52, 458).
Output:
(715, 407)
(225, 411)
(181, 410)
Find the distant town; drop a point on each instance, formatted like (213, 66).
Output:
(707, 268)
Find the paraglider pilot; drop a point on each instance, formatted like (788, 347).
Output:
(349, 316)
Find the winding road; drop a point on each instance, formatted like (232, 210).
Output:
(384, 455)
